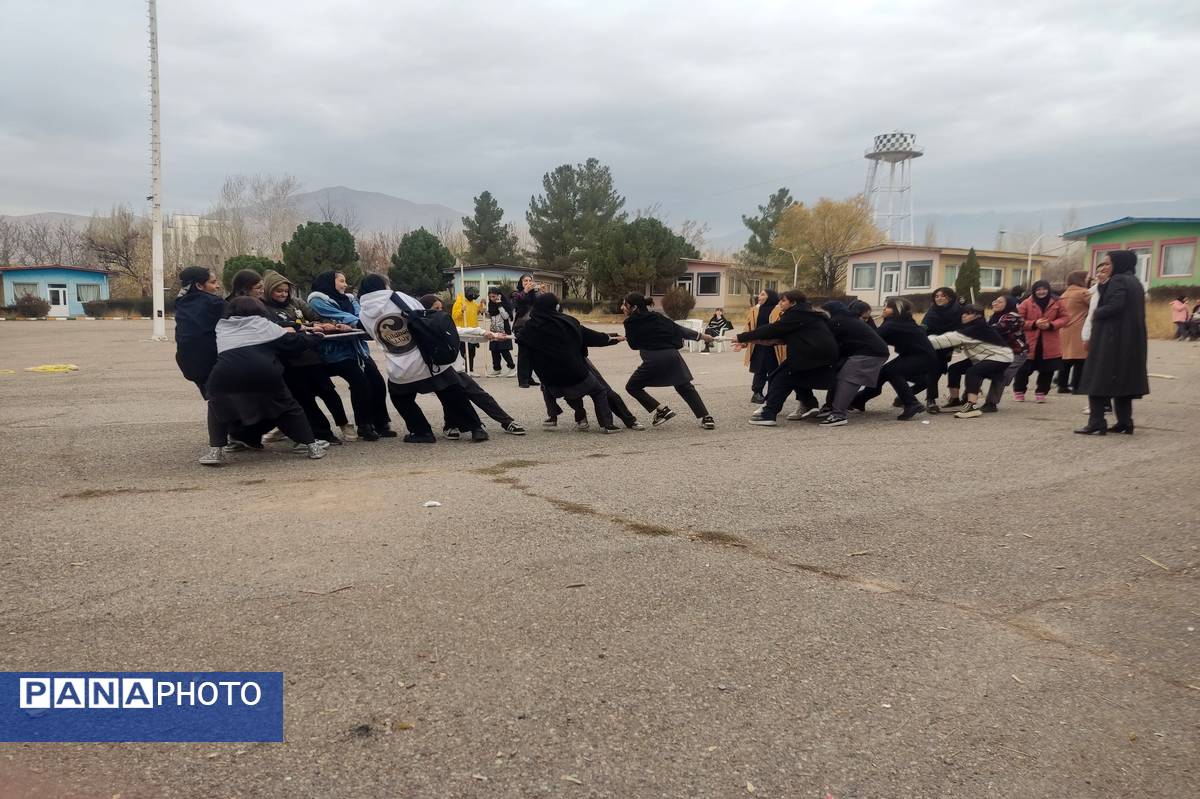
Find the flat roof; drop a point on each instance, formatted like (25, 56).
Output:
(32, 267)
(953, 251)
(1126, 221)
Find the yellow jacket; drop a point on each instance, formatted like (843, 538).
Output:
(752, 322)
(471, 308)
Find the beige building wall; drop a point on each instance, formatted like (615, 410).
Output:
(876, 274)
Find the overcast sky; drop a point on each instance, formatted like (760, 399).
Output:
(702, 107)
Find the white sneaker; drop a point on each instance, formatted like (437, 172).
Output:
(213, 456)
(472, 374)
(274, 436)
(348, 434)
(493, 373)
(509, 372)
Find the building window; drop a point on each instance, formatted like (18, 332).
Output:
(754, 285)
(470, 284)
(863, 277)
(1178, 259)
(951, 274)
(21, 289)
(87, 292)
(708, 284)
(991, 278)
(1100, 253)
(773, 285)
(919, 275)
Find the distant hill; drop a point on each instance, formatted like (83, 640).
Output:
(373, 211)
(77, 221)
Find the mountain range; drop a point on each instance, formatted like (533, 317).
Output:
(370, 211)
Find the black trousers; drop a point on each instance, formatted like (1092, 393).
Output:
(1122, 407)
(468, 352)
(593, 387)
(975, 374)
(691, 396)
(524, 369)
(930, 383)
(293, 424)
(1070, 373)
(368, 392)
(456, 408)
(483, 400)
(497, 355)
(897, 373)
(783, 383)
(302, 381)
(1045, 367)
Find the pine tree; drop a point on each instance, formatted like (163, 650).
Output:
(966, 283)
(420, 264)
(636, 254)
(761, 244)
(490, 240)
(318, 247)
(568, 222)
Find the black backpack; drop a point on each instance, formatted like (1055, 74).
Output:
(433, 331)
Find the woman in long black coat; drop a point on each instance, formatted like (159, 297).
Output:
(1116, 364)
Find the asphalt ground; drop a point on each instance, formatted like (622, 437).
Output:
(966, 608)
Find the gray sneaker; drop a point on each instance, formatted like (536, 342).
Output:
(302, 449)
(213, 456)
(316, 451)
(581, 426)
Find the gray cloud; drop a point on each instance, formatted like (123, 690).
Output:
(704, 107)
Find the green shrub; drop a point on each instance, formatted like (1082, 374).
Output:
(678, 302)
(577, 305)
(95, 308)
(1168, 293)
(31, 307)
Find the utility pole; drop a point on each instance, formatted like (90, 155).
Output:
(156, 234)
(795, 265)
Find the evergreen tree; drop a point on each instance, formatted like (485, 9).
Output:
(490, 241)
(317, 247)
(633, 255)
(239, 262)
(761, 244)
(569, 221)
(420, 264)
(966, 283)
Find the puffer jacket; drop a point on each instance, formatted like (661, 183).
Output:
(1050, 339)
(974, 349)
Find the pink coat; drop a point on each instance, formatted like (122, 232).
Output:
(1055, 314)
(1179, 311)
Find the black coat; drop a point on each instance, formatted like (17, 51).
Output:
(806, 334)
(647, 330)
(256, 369)
(1116, 359)
(941, 319)
(556, 346)
(856, 337)
(907, 338)
(196, 317)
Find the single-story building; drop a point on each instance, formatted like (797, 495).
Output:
(716, 284)
(1166, 247)
(66, 288)
(875, 273)
(481, 276)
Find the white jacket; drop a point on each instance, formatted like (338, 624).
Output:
(1087, 323)
(973, 348)
(377, 307)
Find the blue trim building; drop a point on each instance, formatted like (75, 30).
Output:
(66, 288)
(483, 275)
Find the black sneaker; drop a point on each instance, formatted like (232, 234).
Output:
(386, 432)
(452, 433)
(834, 421)
(757, 399)
(708, 423)
(662, 416)
(425, 438)
(897, 403)
(910, 411)
(514, 429)
(824, 411)
(479, 434)
(635, 425)
(988, 407)
(612, 429)
(932, 407)
(954, 402)
(550, 424)
(367, 433)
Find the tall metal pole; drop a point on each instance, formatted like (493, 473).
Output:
(156, 233)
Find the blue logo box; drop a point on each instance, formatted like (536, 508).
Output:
(169, 706)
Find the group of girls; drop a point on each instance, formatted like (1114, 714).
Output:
(795, 348)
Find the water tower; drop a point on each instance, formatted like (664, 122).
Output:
(890, 195)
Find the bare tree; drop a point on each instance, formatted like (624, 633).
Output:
(10, 240)
(651, 211)
(121, 241)
(342, 215)
(823, 234)
(375, 250)
(693, 232)
(930, 239)
(255, 214)
(452, 238)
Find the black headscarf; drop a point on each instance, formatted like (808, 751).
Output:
(836, 308)
(1010, 306)
(324, 283)
(493, 308)
(980, 330)
(1124, 262)
(764, 310)
(943, 318)
(1043, 302)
